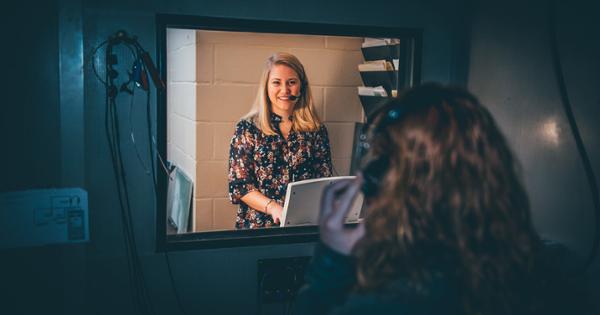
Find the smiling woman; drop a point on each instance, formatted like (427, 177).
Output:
(280, 141)
(212, 67)
(213, 77)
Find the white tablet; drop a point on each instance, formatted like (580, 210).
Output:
(303, 201)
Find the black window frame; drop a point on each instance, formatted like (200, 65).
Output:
(254, 237)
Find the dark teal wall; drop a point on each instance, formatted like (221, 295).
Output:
(511, 70)
(30, 105)
(93, 278)
(30, 145)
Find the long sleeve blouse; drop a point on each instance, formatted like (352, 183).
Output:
(267, 163)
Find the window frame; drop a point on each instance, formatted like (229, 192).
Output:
(254, 237)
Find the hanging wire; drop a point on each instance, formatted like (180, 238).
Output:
(139, 290)
(132, 137)
(109, 128)
(168, 171)
(142, 302)
(91, 58)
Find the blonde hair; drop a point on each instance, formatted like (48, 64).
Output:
(304, 117)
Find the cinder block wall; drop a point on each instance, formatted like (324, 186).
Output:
(213, 79)
(181, 101)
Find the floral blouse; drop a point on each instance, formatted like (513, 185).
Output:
(267, 163)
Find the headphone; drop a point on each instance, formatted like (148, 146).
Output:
(375, 169)
(141, 66)
(373, 174)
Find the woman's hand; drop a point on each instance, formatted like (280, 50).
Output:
(275, 210)
(336, 202)
(259, 202)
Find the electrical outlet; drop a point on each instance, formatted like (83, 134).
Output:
(280, 278)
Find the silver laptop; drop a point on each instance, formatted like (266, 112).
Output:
(303, 201)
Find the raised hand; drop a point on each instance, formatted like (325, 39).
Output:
(336, 202)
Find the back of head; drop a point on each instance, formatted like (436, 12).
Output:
(449, 201)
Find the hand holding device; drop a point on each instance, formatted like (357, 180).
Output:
(275, 210)
(336, 202)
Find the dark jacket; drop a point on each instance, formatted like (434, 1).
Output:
(330, 279)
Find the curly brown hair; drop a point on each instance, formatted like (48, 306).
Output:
(450, 202)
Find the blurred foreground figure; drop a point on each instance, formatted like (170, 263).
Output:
(448, 227)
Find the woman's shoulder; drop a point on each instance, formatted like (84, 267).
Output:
(318, 134)
(320, 129)
(437, 296)
(245, 125)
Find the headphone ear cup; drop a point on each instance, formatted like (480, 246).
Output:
(373, 174)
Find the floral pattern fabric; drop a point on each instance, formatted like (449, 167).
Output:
(267, 163)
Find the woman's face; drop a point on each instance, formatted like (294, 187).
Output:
(283, 82)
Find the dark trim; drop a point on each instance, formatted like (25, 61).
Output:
(235, 238)
(269, 236)
(284, 27)
(161, 138)
(417, 57)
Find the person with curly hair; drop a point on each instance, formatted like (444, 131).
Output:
(448, 227)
